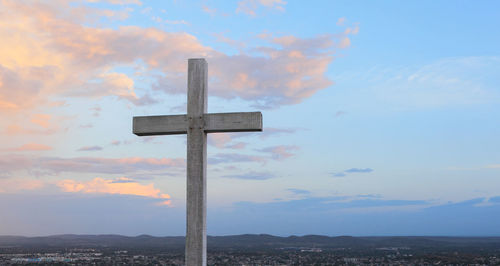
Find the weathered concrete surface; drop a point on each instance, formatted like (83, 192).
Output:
(178, 124)
(196, 235)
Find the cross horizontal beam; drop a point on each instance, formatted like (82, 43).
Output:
(213, 123)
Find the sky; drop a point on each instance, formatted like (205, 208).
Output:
(380, 117)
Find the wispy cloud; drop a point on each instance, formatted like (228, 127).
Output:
(60, 56)
(12, 162)
(252, 176)
(352, 171)
(32, 147)
(340, 113)
(272, 131)
(209, 10)
(250, 7)
(90, 148)
(10, 185)
(341, 21)
(359, 170)
(280, 152)
(340, 174)
(234, 158)
(455, 81)
(299, 191)
(89, 125)
(223, 140)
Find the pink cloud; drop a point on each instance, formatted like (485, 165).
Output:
(223, 140)
(237, 146)
(14, 185)
(122, 185)
(219, 140)
(341, 21)
(250, 7)
(235, 158)
(12, 162)
(90, 148)
(32, 147)
(16, 129)
(56, 55)
(209, 10)
(280, 152)
(41, 120)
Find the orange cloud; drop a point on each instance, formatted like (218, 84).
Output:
(41, 120)
(122, 185)
(32, 147)
(53, 53)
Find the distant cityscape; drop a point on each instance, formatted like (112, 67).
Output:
(251, 250)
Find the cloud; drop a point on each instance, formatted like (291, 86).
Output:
(123, 186)
(341, 174)
(97, 110)
(252, 176)
(222, 140)
(270, 131)
(235, 158)
(89, 125)
(119, 2)
(15, 129)
(219, 140)
(351, 171)
(209, 10)
(10, 163)
(250, 7)
(359, 170)
(340, 113)
(41, 120)
(237, 146)
(280, 152)
(299, 191)
(56, 54)
(453, 81)
(112, 166)
(90, 148)
(32, 147)
(35, 124)
(171, 22)
(341, 21)
(233, 43)
(11, 185)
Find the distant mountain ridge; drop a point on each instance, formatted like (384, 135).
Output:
(247, 241)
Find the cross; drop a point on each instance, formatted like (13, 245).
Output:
(196, 124)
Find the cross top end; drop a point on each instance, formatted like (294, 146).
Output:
(196, 117)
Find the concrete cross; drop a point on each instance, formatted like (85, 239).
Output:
(196, 124)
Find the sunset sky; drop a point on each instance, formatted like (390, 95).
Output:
(380, 117)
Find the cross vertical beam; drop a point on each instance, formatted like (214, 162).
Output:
(196, 124)
(196, 231)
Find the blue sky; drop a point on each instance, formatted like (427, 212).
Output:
(380, 118)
